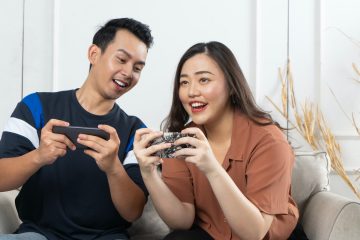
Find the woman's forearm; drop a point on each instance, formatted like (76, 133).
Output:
(176, 214)
(243, 216)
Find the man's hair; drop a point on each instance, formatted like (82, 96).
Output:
(106, 33)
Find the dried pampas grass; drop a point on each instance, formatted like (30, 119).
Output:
(310, 123)
(334, 152)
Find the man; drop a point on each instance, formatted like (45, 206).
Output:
(70, 193)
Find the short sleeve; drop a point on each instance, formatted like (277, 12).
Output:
(130, 163)
(268, 175)
(177, 177)
(20, 135)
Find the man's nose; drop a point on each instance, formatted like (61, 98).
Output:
(126, 70)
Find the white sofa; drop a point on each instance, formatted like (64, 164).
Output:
(324, 215)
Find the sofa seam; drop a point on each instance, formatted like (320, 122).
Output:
(337, 216)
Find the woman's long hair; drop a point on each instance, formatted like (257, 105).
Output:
(241, 97)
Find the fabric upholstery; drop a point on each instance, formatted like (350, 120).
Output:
(325, 215)
(310, 176)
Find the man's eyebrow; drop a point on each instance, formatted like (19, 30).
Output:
(197, 73)
(130, 56)
(125, 52)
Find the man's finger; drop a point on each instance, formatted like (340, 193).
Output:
(55, 122)
(110, 130)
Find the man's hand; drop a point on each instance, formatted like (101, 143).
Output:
(52, 145)
(105, 152)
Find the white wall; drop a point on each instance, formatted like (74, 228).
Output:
(11, 25)
(262, 34)
(175, 28)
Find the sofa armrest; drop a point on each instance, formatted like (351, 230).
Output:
(9, 220)
(331, 216)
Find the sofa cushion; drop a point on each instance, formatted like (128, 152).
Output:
(9, 220)
(149, 226)
(310, 176)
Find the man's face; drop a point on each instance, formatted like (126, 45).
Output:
(116, 70)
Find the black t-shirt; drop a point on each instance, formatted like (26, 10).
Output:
(69, 199)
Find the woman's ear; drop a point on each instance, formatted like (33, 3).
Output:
(93, 54)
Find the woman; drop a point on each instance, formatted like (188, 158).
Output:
(234, 182)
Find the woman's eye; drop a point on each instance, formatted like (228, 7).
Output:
(183, 82)
(204, 80)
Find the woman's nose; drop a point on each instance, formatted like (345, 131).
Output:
(193, 90)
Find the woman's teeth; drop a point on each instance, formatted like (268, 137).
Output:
(197, 105)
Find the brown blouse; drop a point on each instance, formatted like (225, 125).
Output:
(260, 162)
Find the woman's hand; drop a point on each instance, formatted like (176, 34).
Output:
(201, 154)
(145, 153)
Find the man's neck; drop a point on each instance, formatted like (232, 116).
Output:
(92, 101)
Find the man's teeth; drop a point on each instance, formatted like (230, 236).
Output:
(121, 84)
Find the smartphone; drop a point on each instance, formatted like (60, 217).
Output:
(72, 132)
(170, 137)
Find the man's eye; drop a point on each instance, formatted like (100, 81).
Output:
(137, 69)
(121, 60)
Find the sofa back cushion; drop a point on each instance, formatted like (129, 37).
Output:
(310, 176)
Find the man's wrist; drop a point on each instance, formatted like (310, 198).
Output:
(36, 158)
(117, 169)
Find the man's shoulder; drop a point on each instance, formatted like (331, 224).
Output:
(44, 96)
(57, 94)
(131, 121)
(125, 116)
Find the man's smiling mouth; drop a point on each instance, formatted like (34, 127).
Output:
(120, 83)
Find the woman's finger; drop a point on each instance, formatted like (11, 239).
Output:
(194, 142)
(157, 147)
(185, 152)
(195, 131)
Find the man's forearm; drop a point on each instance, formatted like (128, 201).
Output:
(127, 197)
(14, 172)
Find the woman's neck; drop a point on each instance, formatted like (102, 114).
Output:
(220, 131)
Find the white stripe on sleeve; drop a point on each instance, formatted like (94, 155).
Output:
(22, 128)
(130, 158)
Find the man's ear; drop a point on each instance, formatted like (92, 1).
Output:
(94, 53)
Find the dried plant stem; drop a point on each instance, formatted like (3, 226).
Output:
(356, 69)
(353, 40)
(307, 124)
(351, 120)
(334, 152)
(283, 94)
(283, 114)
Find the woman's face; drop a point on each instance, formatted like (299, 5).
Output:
(203, 90)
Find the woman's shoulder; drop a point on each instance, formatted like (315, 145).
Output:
(256, 132)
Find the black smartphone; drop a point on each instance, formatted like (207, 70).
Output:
(72, 132)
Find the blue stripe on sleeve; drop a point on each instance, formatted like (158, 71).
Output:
(34, 104)
(129, 147)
